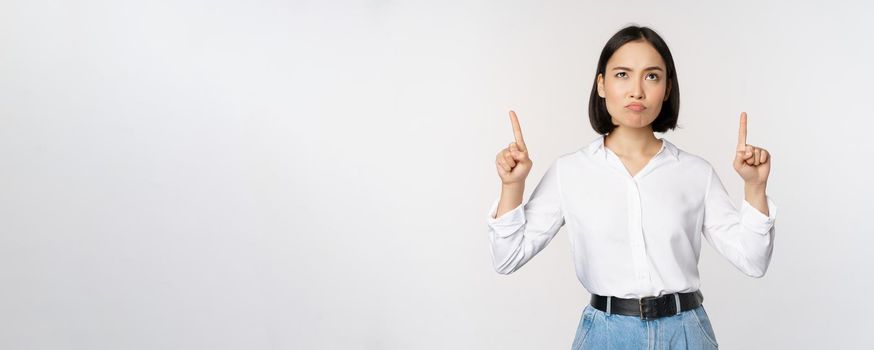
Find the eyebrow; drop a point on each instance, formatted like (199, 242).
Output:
(647, 68)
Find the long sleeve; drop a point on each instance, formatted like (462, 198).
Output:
(745, 237)
(519, 234)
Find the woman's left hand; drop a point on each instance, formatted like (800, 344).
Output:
(751, 162)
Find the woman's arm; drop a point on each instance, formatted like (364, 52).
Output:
(745, 237)
(519, 234)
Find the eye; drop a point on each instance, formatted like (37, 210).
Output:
(655, 76)
(617, 74)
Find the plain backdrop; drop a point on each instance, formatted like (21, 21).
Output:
(317, 174)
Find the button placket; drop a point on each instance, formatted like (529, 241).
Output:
(634, 222)
(635, 232)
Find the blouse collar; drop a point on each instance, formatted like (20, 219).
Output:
(597, 147)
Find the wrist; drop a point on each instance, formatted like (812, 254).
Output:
(513, 186)
(755, 188)
(755, 185)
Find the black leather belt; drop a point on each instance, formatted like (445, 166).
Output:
(649, 308)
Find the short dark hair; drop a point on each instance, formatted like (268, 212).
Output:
(667, 118)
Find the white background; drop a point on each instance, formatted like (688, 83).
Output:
(316, 175)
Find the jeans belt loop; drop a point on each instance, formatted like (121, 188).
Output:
(640, 306)
(640, 303)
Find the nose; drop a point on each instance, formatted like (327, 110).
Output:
(637, 90)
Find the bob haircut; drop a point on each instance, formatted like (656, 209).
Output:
(667, 118)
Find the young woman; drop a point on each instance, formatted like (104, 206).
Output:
(636, 207)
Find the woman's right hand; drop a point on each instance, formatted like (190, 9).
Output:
(513, 162)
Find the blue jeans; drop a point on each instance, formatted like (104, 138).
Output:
(689, 329)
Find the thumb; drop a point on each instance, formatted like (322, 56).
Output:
(516, 152)
(740, 157)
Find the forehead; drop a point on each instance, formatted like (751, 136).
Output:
(636, 54)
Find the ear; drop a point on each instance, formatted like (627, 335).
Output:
(668, 90)
(601, 85)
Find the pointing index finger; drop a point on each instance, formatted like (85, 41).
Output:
(517, 131)
(742, 132)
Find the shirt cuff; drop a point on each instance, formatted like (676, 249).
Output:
(509, 222)
(755, 220)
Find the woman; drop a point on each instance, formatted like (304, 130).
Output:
(636, 207)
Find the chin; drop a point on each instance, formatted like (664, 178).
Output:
(634, 122)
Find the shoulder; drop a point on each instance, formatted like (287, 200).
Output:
(694, 161)
(583, 152)
(690, 160)
(692, 167)
(571, 157)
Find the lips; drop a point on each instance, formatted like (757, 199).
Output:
(635, 107)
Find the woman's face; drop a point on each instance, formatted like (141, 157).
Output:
(635, 74)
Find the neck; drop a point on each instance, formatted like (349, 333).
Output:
(632, 142)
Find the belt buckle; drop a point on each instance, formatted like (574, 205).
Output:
(640, 304)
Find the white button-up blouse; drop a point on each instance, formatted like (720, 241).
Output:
(633, 236)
